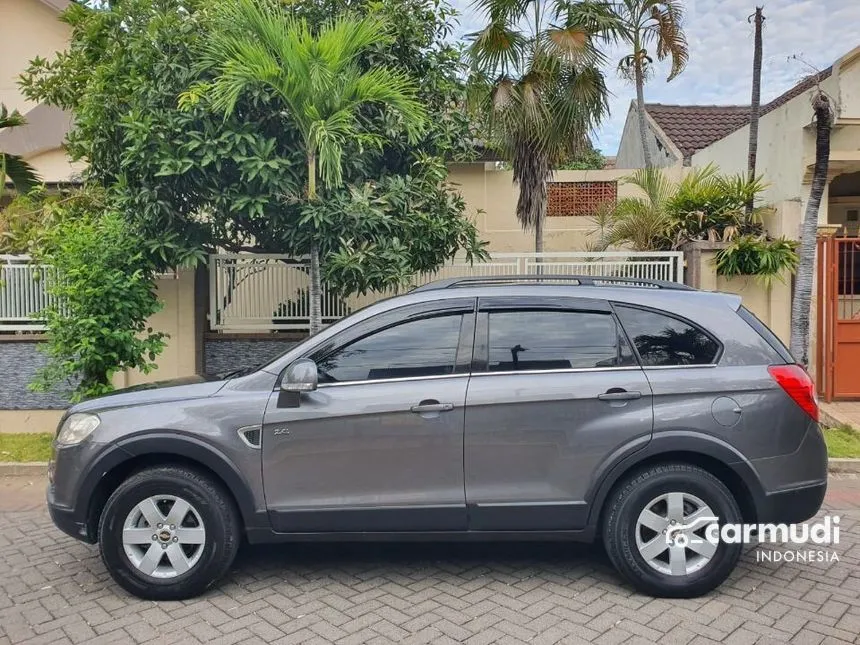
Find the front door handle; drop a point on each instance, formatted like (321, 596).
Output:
(431, 405)
(617, 394)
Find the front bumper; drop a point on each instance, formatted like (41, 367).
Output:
(67, 520)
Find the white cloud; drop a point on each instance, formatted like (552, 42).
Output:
(721, 43)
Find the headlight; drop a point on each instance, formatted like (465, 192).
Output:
(76, 428)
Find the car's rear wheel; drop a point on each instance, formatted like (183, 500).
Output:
(656, 530)
(168, 533)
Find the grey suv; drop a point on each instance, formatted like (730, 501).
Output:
(525, 408)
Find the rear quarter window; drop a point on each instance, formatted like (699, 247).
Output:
(764, 331)
(661, 340)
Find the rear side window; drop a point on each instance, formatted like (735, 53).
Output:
(766, 333)
(663, 341)
(552, 340)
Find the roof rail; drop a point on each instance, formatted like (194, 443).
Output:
(579, 280)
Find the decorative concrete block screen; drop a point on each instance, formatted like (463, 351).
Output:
(573, 198)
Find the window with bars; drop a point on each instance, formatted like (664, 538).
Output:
(572, 198)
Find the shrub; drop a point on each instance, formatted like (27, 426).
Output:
(105, 291)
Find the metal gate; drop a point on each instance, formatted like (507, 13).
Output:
(838, 347)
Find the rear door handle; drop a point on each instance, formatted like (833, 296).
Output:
(622, 395)
(431, 406)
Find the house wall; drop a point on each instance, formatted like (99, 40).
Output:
(785, 146)
(28, 29)
(54, 166)
(630, 154)
(491, 199)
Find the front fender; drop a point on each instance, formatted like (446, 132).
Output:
(196, 450)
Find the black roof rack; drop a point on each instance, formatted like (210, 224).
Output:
(579, 280)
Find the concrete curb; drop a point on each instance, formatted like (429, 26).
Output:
(23, 468)
(832, 417)
(843, 465)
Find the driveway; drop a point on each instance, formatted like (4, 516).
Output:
(54, 589)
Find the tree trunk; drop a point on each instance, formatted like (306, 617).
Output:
(539, 235)
(755, 105)
(806, 269)
(640, 108)
(315, 288)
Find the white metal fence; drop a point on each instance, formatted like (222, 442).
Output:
(23, 293)
(258, 292)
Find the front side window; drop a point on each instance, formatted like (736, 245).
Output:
(423, 347)
(552, 340)
(664, 341)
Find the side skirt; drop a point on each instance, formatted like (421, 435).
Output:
(266, 536)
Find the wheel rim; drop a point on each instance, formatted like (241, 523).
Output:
(671, 533)
(163, 536)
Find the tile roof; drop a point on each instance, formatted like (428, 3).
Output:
(693, 127)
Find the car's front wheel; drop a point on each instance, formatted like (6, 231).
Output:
(168, 533)
(656, 530)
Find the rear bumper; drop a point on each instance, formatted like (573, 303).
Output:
(793, 505)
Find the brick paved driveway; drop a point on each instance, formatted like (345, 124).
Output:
(55, 590)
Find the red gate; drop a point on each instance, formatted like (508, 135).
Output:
(838, 346)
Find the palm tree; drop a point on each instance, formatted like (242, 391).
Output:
(640, 24)
(316, 78)
(800, 305)
(537, 86)
(666, 214)
(18, 171)
(642, 223)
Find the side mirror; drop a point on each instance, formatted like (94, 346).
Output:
(301, 376)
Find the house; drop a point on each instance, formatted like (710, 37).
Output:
(29, 28)
(698, 135)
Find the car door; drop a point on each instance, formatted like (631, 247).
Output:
(555, 390)
(379, 445)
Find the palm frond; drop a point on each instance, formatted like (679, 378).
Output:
(22, 175)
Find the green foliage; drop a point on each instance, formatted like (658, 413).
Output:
(587, 159)
(19, 172)
(23, 222)
(191, 180)
(704, 205)
(756, 255)
(104, 284)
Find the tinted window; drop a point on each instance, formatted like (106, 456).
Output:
(551, 340)
(425, 347)
(766, 333)
(663, 340)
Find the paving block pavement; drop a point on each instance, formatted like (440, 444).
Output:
(54, 589)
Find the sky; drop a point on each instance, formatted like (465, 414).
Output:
(721, 50)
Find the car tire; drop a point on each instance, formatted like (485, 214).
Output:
(632, 530)
(182, 557)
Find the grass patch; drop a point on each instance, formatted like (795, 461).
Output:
(25, 446)
(842, 441)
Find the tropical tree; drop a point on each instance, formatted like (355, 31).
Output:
(800, 305)
(641, 24)
(19, 172)
(538, 89)
(316, 78)
(190, 181)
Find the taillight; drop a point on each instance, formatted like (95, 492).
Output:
(798, 385)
